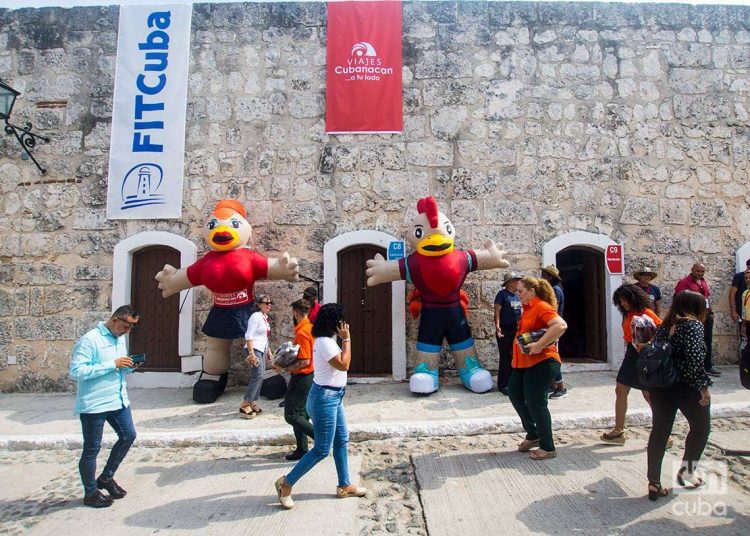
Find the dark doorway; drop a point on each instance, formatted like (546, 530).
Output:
(368, 311)
(157, 333)
(582, 272)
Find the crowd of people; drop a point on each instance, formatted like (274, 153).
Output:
(529, 321)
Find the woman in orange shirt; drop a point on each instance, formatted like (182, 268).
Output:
(534, 371)
(632, 301)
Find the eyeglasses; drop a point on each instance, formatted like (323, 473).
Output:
(130, 325)
(267, 302)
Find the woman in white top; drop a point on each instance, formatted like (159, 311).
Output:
(256, 338)
(325, 405)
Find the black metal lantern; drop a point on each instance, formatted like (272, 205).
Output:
(25, 137)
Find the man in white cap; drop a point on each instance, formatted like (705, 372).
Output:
(643, 278)
(507, 315)
(552, 275)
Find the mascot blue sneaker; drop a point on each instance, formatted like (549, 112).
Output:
(474, 377)
(438, 270)
(424, 380)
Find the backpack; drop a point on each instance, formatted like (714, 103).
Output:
(655, 365)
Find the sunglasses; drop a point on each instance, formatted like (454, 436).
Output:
(131, 325)
(267, 302)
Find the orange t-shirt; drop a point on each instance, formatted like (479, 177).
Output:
(537, 314)
(303, 337)
(627, 331)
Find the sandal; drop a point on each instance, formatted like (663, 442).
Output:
(256, 408)
(614, 437)
(350, 491)
(692, 482)
(247, 412)
(655, 490)
(527, 444)
(541, 454)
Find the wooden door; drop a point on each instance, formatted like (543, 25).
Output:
(368, 311)
(582, 272)
(157, 332)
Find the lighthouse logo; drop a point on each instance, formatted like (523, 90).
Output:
(140, 186)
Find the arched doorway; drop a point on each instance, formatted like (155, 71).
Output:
(123, 280)
(582, 272)
(157, 335)
(333, 275)
(367, 312)
(584, 253)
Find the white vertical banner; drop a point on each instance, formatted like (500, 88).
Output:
(146, 151)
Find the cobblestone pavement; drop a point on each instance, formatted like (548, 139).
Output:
(40, 482)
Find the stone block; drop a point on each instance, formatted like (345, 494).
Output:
(404, 187)
(429, 153)
(384, 156)
(93, 273)
(702, 107)
(305, 106)
(446, 122)
(47, 328)
(709, 213)
(470, 184)
(437, 64)
(639, 211)
(504, 212)
(674, 211)
(489, 153)
(43, 273)
(683, 80)
(706, 240)
(502, 100)
(689, 55)
(466, 212)
(449, 93)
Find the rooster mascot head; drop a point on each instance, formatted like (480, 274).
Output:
(432, 234)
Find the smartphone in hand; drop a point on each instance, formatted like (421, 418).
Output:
(138, 358)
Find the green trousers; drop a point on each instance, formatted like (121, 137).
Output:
(294, 408)
(528, 391)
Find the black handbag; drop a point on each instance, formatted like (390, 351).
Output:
(655, 366)
(273, 387)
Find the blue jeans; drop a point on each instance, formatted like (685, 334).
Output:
(92, 425)
(326, 409)
(252, 391)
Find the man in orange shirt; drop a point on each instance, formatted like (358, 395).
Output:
(301, 371)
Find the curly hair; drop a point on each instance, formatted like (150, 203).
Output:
(634, 295)
(686, 305)
(328, 320)
(541, 288)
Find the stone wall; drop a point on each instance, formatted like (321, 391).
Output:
(525, 120)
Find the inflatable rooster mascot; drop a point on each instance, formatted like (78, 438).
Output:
(437, 270)
(229, 271)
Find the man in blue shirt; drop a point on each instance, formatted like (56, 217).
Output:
(643, 278)
(99, 363)
(552, 275)
(507, 315)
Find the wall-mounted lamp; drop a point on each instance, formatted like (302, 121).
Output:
(25, 137)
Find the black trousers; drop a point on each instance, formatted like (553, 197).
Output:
(505, 349)
(708, 336)
(664, 406)
(295, 412)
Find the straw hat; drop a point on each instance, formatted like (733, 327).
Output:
(645, 270)
(553, 271)
(510, 276)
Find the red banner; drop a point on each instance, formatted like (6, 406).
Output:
(363, 72)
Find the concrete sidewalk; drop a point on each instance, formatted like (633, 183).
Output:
(168, 417)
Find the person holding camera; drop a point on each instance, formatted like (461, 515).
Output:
(536, 365)
(301, 379)
(683, 328)
(325, 404)
(256, 339)
(99, 363)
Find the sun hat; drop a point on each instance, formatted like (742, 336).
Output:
(553, 271)
(510, 276)
(644, 270)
